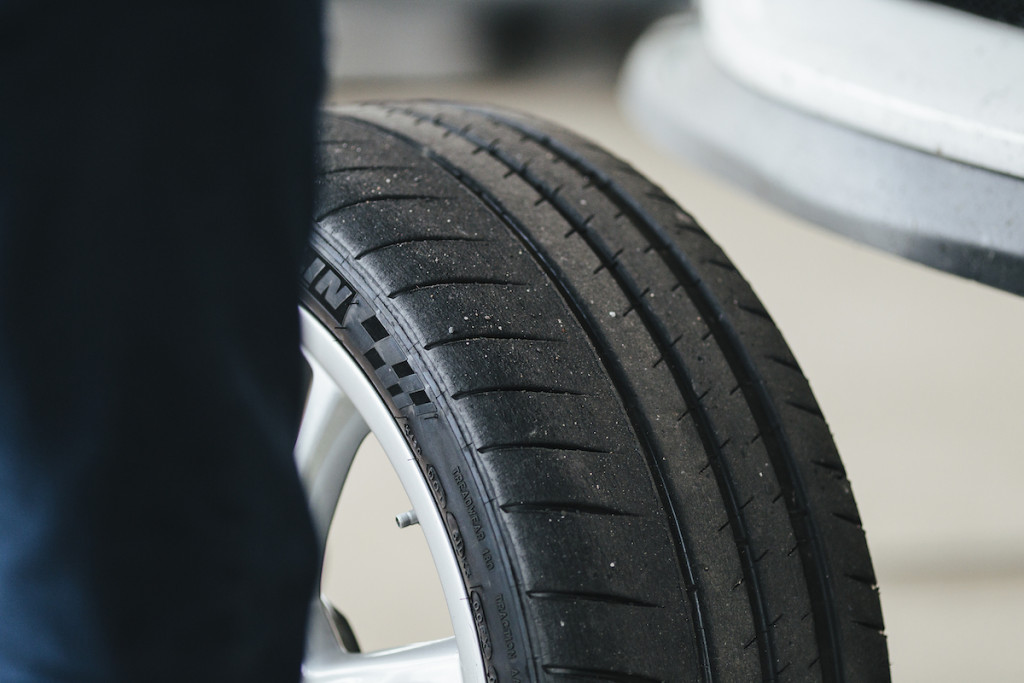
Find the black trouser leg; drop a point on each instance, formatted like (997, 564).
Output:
(155, 182)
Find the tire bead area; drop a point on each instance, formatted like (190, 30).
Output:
(336, 303)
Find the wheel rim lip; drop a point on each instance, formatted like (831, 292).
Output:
(323, 347)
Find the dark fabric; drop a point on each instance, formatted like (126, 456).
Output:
(155, 190)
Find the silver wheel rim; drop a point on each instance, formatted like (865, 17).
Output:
(342, 409)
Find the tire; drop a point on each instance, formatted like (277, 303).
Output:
(630, 475)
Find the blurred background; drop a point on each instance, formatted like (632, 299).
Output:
(919, 373)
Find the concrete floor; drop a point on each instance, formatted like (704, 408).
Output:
(918, 373)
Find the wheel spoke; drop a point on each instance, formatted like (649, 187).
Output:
(433, 662)
(329, 437)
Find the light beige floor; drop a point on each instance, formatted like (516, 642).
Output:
(919, 374)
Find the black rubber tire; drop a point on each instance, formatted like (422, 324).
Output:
(636, 478)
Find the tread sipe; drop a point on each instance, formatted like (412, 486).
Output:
(637, 481)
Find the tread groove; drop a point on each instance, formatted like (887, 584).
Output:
(754, 310)
(830, 466)
(870, 582)
(542, 445)
(804, 408)
(553, 391)
(719, 263)
(490, 337)
(597, 675)
(562, 508)
(452, 282)
(606, 598)
(416, 240)
(692, 228)
(791, 364)
(874, 626)
(378, 198)
(356, 169)
(326, 141)
(849, 519)
(659, 197)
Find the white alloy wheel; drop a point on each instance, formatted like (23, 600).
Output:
(342, 409)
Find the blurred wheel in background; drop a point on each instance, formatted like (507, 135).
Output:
(437, 38)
